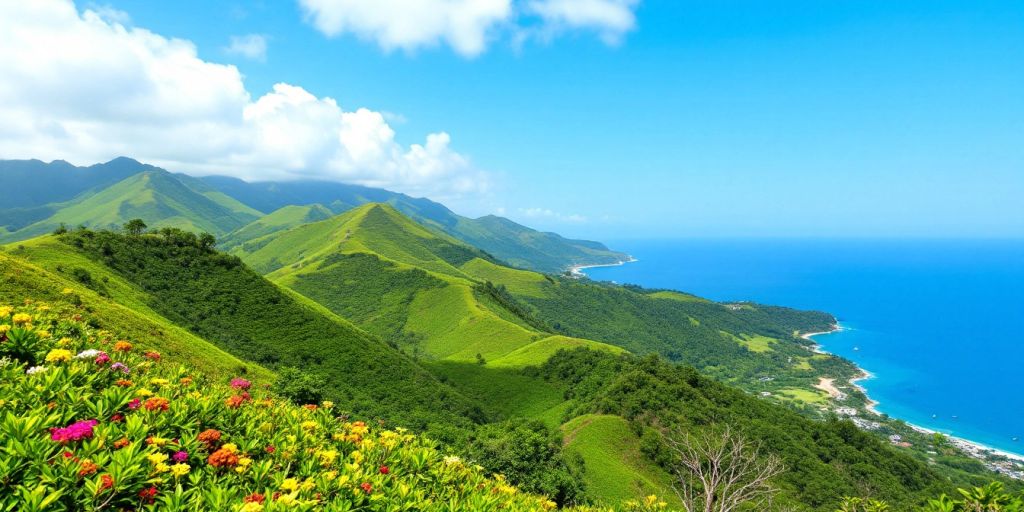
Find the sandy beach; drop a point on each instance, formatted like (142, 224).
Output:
(577, 270)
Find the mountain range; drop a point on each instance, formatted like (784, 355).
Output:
(109, 194)
(384, 305)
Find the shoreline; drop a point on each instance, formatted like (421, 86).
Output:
(577, 270)
(971, 448)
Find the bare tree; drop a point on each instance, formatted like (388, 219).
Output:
(719, 471)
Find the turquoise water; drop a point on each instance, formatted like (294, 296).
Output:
(936, 322)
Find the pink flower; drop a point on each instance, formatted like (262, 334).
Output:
(103, 358)
(134, 404)
(73, 432)
(240, 383)
(120, 366)
(180, 456)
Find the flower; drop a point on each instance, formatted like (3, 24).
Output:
(121, 443)
(122, 346)
(180, 456)
(384, 470)
(223, 458)
(152, 355)
(35, 369)
(328, 404)
(6, 311)
(289, 484)
(134, 404)
(106, 482)
(270, 449)
(74, 432)
(156, 458)
(156, 381)
(209, 436)
(102, 358)
(234, 401)
(240, 383)
(254, 498)
(157, 403)
(124, 383)
(120, 366)
(148, 496)
(88, 354)
(452, 460)
(180, 469)
(21, 318)
(367, 488)
(58, 355)
(156, 441)
(88, 468)
(251, 506)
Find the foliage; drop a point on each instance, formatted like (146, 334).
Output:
(989, 498)
(299, 386)
(105, 424)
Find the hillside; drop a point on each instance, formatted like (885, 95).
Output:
(506, 240)
(32, 183)
(282, 219)
(155, 196)
(79, 435)
(214, 297)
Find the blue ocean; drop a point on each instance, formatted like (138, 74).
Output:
(936, 322)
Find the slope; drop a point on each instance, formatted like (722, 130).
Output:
(32, 183)
(157, 197)
(216, 298)
(506, 240)
(281, 219)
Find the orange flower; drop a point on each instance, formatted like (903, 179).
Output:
(310, 407)
(122, 346)
(222, 458)
(234, 401)
(157, 404)
(124, 383)
(121, 443)
(106, 482)
(88, 468)
(209, 437)
(185, 381)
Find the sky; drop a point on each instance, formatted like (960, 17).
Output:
(606, 119)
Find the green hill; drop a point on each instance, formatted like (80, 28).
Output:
(155, 196)
(503, 238)
(213, 296)
(283, 218)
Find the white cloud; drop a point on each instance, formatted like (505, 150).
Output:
(251, 46)
(609, 18)
(85, 88)
(467, 26)
(546, 213)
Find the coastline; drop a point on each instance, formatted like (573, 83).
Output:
(970, 448)
(577, 270)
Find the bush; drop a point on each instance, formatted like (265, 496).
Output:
(300, 387)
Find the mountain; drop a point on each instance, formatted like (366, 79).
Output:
(281, 219)
(31, 183)
(508, 241)
(154, 195)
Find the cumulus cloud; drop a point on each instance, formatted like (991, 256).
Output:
(251, 46)
(83, 87)
(467, 26)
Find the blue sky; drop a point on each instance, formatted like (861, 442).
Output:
(714, 118)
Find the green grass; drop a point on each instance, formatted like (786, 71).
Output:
(279, 220)
(505, 392)
(538, 352)
(805, 396)
(615, 468)
(33, 272)
(158, 198)
(679, 296)
(756, 343)
(519, 282)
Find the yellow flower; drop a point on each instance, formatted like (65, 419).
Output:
(327, 457)
(155, 381)
(144, 392)
(230, 448)
(308, 485)
(162, 468)
(287, 499)
(5, 328)
(290, 484)
(328, 404)
(243, 464)
(58, 355)
(251, 506)
(21, 319)
(309, 425)
(343, 479)
(6, 311)
(357, 456)
(65, 291)
(157, 458)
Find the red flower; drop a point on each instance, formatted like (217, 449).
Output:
(270, 448)
(384, 470)
(106, 482)
(148, 496)
(367, 488)
(153, 355)
(234, 401)
(121, 443)
(157, 404)
(117, 418)
(254, 498)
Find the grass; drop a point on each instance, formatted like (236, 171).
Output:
(615, 468)
(757, 343)
(505, 392)
(538, 352)
(520, 282)
(804, 395)
(279, 220)
(33, 272)
(679, 296)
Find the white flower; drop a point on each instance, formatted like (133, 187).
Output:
(5, 362)
(88, 354)
(452, 460)
(35, 369)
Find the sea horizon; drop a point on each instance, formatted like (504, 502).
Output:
(925, 317)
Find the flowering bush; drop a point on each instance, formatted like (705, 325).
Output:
(77, 435)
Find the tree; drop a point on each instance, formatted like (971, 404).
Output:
(135, 227)
(207, 241)
(720, 471)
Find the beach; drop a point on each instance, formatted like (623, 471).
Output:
(577, 270)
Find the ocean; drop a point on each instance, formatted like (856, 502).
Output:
(937, 322)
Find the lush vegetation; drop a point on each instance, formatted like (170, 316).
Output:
(92, 422)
